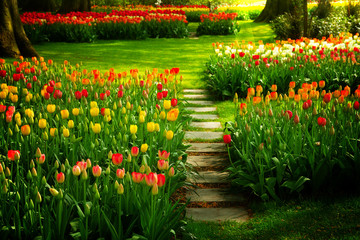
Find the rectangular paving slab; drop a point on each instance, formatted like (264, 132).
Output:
(204, 116)
(208, 125)
(210, 177)
(200, 102)
(238, 214)
(194, 91)
(207, 147)
(196, 96)
(201, 109)
(203, 135)
(208, 160)
(214, 195)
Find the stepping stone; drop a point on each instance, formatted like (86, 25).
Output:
(199, 102)
(204, 116)
(210, 177)
(194, 91)
(207, 147)
(201, 109)
(203, 135)
(214, 195)
(196, 96)
(206, 161)
(210, 125)
(238, 214)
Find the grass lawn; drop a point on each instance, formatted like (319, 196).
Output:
(325, 218)
(188, 54)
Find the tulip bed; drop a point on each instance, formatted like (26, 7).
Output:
(218, 24)
(87, 26)
(239, 66)
(192, 12)
(88, 155)
(306, 142)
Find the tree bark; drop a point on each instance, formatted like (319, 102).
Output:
(305, 12)
(13, 39)
(274, 8)
(75, 6)
(38, 5)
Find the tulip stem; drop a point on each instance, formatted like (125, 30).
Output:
(120, 214)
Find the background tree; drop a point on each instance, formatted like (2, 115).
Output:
(13, 39)
(37, 5)
(75, 5)
(274, 8)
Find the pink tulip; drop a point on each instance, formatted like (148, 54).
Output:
(120, 173)
(164, 155)
(151, 179)
(137, 177)
(96, 170)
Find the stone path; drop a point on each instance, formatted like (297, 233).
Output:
(209, 159)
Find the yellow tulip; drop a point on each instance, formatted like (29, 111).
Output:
(93, 104)
(14, 98)
(50, 108)
(141, 119)
(75, 111)
(144, 147)
(53, 132)
(169, 135)
(96, 128)
(70, 124)
(162, 115)
(133, 129)
(151, 126)
(42, 123)
(167, 104)
(94, 112)
(173, 114)
(157, 127)
(66, 132)
(25, 130)
(64, 114)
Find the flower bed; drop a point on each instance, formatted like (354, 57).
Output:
(306, 142)
(192, 12)
(239, 66)
(86, 154)
(217, 24)
(86, 26)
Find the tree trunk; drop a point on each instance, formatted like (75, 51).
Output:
(75, 6)
(13, 39)
(38, 5)
(305, 12)
(274, 8)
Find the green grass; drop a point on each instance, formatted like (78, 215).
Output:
(188, 54)
(325, 218)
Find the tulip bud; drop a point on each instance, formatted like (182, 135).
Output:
(332, 131)
(314, 111)
(296, 119)
(43, 180)
(261, 146)
(38, 153)
(142, 169)
(7, 172)
(171, 172)
(54, 192)
(84, 175)
(120, 189)
(38, 198)
(87, 210)
(155, 189)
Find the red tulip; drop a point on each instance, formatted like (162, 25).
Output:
(233, 56)
(162, 164)
(164, 154)
(137, 177)
(296, 119)
(356, 105)
(227, 139)
(164, 93)
(159, 95)
(327, 98)
(151, 179)
(60, 177)
(321, 121)
(289, 113)
(161, 180)
(120, 173)
(78, 95)
(305, 105)
(117, 158)
(159, 86)
(174, 102)
(2, 108)
(96, 170)
(134, 151)
(13, 155)
(84, 93)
